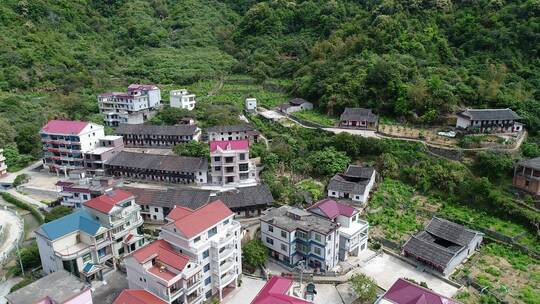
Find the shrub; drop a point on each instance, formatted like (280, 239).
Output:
(57, 212)
(255, 253)
(20, 179)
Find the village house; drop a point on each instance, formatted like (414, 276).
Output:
(236, 132)
(182, 99)
(137, 296)
(246, 201)
(278, 290)
(355, 184)
(405, 292)
(59, 287)
(353, 232)
(442, 245)
(250, 104)
(133, 107)
(93, 241)
(153, 136)
(108, 147)
(80, 188)
(65, 143)
(295, 105)
(159, 270)
(489, 120)
(359, 118)
(527, 176)
(230, 163)
(210, 237)
(159, 168)
(3, 166)
(293, 235)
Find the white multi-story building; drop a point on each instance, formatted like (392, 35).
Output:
(230, 163)
(80, 188)
(3, 166)
(182, 99)
(133, 107)
(166, 273)
(210, 237)
(250, 104)
(236, 132)
(65, 143)
(94, 240)
(353, 232)
(295, 235)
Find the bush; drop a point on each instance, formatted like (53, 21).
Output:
(21, 179)
(30, 259)
(364, 287)
(255, 253)
(57, 212)
(193, 149)
(12, 200)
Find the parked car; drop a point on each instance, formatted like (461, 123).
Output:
(310, 292)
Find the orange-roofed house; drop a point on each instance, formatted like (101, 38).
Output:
(211, 237)
(162, 271)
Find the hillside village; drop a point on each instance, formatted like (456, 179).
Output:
(131, 210)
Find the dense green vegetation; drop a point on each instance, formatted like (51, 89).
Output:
(12, 200)
(57, 212)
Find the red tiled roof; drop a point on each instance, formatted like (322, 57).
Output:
(179, 212)
(163, 252)
(332, 209)
(229, 145)
(107, 201)
(405, 292)
(203, 218)
(275, 292)
(137, 296)
(64, 127)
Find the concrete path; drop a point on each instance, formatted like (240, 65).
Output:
(363, 133)
(26, 199)
(10, 177)
(13, 230)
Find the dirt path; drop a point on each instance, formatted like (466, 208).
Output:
(215, 89)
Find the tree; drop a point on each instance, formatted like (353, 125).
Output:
(364, 287)
(255, 253)
(192, 148)
(29, 257)
(494, 165)
(57, 212)
(327, 162)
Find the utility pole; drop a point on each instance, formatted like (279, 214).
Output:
(19, 254)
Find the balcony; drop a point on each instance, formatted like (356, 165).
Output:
(193, 286)
(195, 299)
(228, 265)
(226, 279)
(72, 252)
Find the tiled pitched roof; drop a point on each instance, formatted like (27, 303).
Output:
(158, 162)
(275, 291)
(339, 183)
(104, 203)
(490, 114)
(359, 114)
(137, 296)
(234, 128)
(405, 292)
(179, 213)
(203, 218)
(162, 252)
(297, 101)
(190, 198)
(229, 145)
(359, 171)
(531, 163)
(80, 220)
(252, 196)
(181, 130)
(331, 209)
(64, 127)
(450, 231)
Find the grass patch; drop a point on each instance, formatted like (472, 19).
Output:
(316, 117)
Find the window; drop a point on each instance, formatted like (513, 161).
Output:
(317, 237)
(212, 232)
(269, 241)
(208, 281)
(301, 235)
(197, 239)
(243, 167)
(205, 254)
(242, 156)
(317, 250)
(206, 267)
(226, 222)
(156, 209)
(270, 228)
(217, 168)
(283, 234)
(217, 158)
(283, 247)
(87, 257)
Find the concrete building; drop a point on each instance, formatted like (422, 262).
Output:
(353, 232)
(133, 107)
(236, 132)
(3, 166)
(108, 147)
(250, 104)
(159, 168)
(489, 120)
(527, 176)
(359, 118)
(442, 245)
(182, 99)
(59, 287)
(210, 237)
(355, 184)
(92, 241)
(165, 273)
(230, 163)
(295, 105)
(80, 188)
(278, 290)
(295, 235)
(152, 136)
(66, 142)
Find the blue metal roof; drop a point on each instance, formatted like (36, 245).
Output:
(80, 220)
